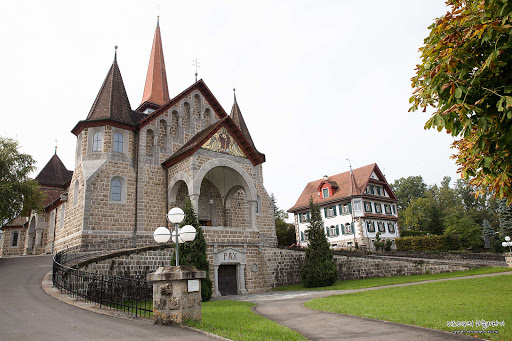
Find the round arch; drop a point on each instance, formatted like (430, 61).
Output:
(173, 189)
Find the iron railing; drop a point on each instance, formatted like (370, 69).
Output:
(129, 295)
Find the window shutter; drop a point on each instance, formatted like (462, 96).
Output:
(352, 227)
(302, 236)
(334, 210)
(300, 217)
(325, 211)
(340, 208)
(350, 207)
(309, 216)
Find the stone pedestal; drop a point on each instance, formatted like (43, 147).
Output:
(176, 294)
(508, 259)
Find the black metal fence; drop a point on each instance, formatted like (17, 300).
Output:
(130, 295)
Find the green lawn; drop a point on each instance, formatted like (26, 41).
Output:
(433, 305)
(377, 282)
(236, 321)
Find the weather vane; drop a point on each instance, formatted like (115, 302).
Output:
(196, 64)
(55, 146)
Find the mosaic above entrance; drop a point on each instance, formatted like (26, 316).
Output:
(222, 142)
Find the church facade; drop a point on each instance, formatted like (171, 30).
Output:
(132, 166)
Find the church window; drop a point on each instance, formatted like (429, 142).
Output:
(78, 147)
(14, 241)
(150, 138)
(118, 142)
(116, 190)
(75, 193)
(62, 210)
(325, 193)
(258, 204)
(96, 142)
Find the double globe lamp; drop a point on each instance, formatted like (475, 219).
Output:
(506, 243)
(180, 235)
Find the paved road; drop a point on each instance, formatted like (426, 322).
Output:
(28, 313)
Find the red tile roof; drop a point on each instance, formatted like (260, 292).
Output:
(349, 184)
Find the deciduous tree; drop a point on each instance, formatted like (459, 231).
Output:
(465, 76)
(18, 193)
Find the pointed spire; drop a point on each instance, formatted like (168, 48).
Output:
(112, 101)
(236, 116)
(54, 173)
(156, 90)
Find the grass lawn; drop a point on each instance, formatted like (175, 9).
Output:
(236, 321)
(432, 305)
(377, 282)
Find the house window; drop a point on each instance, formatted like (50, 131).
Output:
(381, 226)
(14, 241)
(387, 208)
(372, 189)
(330, 212)
(118, 142)
(116, 190)
(346, 209)
(394, 209)
(325, 192)
(348, 228)
(370, 227)
(357, 205)
(378, 190)
(301, 236)
(391, 228)
(334, 231)
(378, 208)
(96, 142)
(368, 206)
(306, 235)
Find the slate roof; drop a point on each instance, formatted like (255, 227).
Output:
(238, 119)
(54, 174)
(349, 184)
(51, 195)
(17, 222)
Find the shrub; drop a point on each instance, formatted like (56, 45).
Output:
(429, 243)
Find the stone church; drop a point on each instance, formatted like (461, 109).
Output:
(132, 166)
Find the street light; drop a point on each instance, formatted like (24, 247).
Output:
(186, 234)
(508, 243)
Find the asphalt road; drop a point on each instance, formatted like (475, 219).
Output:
(28, 313)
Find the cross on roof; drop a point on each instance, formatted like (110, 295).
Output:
(196, 64)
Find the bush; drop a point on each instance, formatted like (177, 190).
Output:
(409, 233)
(429, 243)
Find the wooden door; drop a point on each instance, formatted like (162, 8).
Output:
(227, 280)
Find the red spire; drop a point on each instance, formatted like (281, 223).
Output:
(155, 90)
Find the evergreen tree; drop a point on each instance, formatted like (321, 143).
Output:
(505, 214)
(319, 269)
(194, 252)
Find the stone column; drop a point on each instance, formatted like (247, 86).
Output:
(508, 259)
(194, 199)
(176, 294)
(241, 280)
(216, 293)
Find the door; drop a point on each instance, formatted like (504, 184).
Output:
(227, 280)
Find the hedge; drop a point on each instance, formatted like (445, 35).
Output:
(428, 243)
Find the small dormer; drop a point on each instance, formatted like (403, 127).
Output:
(327, 188)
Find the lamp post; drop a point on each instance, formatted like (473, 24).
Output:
(186, 234)
(508, 243)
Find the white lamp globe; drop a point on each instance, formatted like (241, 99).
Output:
(507, 238)
(161, 235)
(188, 233)
(180, 236)
(504, 244)
(175, 215)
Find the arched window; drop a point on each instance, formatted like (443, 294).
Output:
(150, 138)
(96, 142)
(75, 193)
(116, 190)
(118, 142)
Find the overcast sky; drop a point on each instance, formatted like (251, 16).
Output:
(317, 82)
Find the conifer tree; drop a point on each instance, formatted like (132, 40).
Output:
(194, 252)
(319, 269)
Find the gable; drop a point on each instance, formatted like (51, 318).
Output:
(374, 176)
(223, 142)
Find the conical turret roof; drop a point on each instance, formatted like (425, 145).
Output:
(112, 101)
(236, 116)
(54, 173)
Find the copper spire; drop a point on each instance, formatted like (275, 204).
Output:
(155, 90)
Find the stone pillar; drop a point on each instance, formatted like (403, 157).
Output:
(241, 280)
(508, 259)
(176, 294)
(216, 292)
(194, 199)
